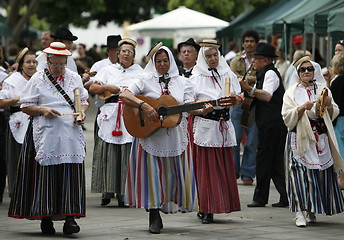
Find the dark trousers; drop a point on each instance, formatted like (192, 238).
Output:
(270, 161)
(3, 127)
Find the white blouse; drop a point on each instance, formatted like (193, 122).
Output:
(12, 87)
(56, 140)
(210, 133)
(110, 117)
(165, 142)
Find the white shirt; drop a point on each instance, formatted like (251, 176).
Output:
(12, 87)
(56, 140)
(210, 133)
(165, 142)
(271, 82)
(110, 115)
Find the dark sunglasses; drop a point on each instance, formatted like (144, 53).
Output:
(309, 69)
(341, 42)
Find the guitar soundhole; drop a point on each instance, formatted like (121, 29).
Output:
(162, 111)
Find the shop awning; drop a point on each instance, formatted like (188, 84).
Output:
(335, 20)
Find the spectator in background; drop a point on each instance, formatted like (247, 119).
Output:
(45, 41)
(297, 42)
(281, 64)
(93, 53)
(337, 89)
(233, 50)
(242, 65)
(339, 48)
(83, 61)
(188, 51)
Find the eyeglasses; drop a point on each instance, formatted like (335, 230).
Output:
(127, 51)
(309, 69)
(62, 65)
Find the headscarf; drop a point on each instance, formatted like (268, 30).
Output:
(172, 72)
(318, 77)
(202, 66)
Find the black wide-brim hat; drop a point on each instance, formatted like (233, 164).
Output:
(266, 50)
(190, 42)
(64, 33)
(112, 41)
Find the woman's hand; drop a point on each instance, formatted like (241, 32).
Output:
(149, 112)
(327, 101)
(49, 112)
(207, 108)
(308, 105)
(83, 114)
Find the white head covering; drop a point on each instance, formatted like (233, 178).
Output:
(172, 72)
(202, 66)
(320, 80)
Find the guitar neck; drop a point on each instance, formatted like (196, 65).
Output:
(188, 107)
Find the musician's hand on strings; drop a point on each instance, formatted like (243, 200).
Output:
(207, 108)
(327, 101)
(149, 112)
(49, 112)
(244, 86)
(113, 89)
(85, 77)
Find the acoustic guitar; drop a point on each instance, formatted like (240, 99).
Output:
(247, 107)
(169, 113)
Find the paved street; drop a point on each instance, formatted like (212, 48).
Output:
(112, 222)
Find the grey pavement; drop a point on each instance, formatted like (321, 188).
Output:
(112, 222)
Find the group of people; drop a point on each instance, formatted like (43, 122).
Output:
(191, 165)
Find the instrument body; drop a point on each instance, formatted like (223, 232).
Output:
(169, 113)
(248, 109)
(320, 104)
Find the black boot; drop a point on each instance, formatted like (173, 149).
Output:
(47, 226)
(208, 218)
(155, 221)
(70, 226)
(120, 199)
(106, 199)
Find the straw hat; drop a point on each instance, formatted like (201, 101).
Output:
(127, 41)
(57, 48)
(21, 54)
(153, 50)
(209, 43)
(301, 60)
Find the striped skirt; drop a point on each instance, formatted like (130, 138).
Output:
(216, 180)
(313, 190)
(166, 183)
(109, 168)
(53, 191)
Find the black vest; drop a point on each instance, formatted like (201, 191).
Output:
(269, 111)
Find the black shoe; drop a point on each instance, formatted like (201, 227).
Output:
(208, 218)
(120, 199)
(70, 226)
(280, 204)
(47, 226)
(255, 204)
(155, 221)
(200, 215)
(106, 199)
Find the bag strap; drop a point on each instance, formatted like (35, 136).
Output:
(59, 88)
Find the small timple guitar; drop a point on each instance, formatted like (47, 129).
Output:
(169, 113)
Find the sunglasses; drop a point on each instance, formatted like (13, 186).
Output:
(341, 42)
(309, 69)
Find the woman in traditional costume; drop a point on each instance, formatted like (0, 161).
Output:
(213, 134)
(112, 149)
(160, 172)
(313, 159)
(18, 121)
(51, 175)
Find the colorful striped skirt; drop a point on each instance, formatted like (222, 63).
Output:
(216, 180)
(53, 191)
(109, 168)
(313, 190)
(166, 183)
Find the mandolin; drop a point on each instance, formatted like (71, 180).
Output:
(320, 105)
(169, 113)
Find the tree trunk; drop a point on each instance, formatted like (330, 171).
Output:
(16, 22)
